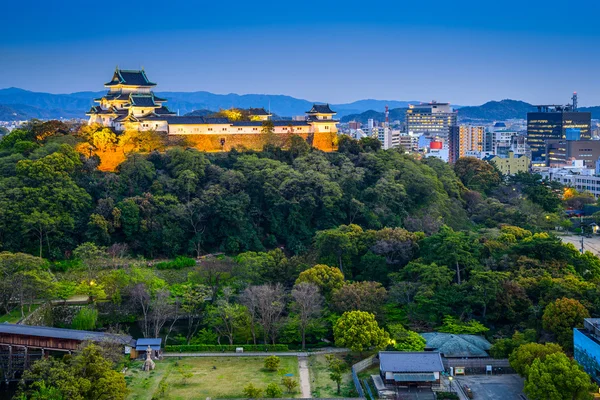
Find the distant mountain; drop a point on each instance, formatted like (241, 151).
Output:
(199, 113)
(76, 104)
(396, 114)
(496, 110)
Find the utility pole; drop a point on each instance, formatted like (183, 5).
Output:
(582, 242)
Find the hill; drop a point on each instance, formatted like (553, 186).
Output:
(496, 110)
(396, 114)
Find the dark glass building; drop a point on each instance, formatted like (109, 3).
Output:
(555, 122)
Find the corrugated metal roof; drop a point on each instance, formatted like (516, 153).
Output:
(60, 333)
(407, 361)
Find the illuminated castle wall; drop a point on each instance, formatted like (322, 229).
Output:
(130, 104)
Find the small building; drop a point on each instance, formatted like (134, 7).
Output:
(406, 368)
(513, 164)
(141, 348)
(451, 345)
(586, 345)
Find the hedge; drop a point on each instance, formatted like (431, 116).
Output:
(224, 347)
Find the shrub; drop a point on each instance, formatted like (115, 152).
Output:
(224, 347)
(178, 263)
(272, 363)
(85, 319)
(65, 265)
(252, 392)
(447, 396)
(274, 391)
(289, 383)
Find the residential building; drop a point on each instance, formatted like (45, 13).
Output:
(512, 164)
(554, 122)
(406, 368)
(430, 119)
(580, 178)
(586, 346)
(559, 152)
(409, 143)
(502, 141)
(465, 138)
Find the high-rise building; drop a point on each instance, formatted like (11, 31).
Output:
(555, 122)
(430, 119)
(463, 139)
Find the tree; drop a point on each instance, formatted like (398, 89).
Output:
(561, 316)
(307, 303)
(226, 318)
(556, 378)
(337, 246)
(289, 383)
(87, 375)
(273, 391)
(358, 330)
(523, 356)
(85, 319)
(363, 296)
(477, 174)
(252, 392)
(266, 304)
(192, 298)
(405, 340)
(453, 325)
(326, 278)
(272, 363)
(336, 367)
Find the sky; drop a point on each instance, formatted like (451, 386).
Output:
(465, 52)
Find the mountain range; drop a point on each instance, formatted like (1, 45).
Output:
(19, 104)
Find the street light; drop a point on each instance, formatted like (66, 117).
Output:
(450, 379)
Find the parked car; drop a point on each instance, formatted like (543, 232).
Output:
(468, 391)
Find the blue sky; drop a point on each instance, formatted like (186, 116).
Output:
(465, 52)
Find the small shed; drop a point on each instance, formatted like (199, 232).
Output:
(141, 348)
(408, 368)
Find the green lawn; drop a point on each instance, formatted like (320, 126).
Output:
(320, 383)
(15, 315)
(214, 377)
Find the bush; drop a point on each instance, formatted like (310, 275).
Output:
(252, 392)
(224, 347)
(178, 263)
(447, 396)
(289, 383)
(65, 265)
(274, 391)
(85, 320)
(272, 363)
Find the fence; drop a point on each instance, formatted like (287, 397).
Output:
(359, 367)
(479, 366)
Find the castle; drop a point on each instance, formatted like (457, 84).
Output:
(130, 104)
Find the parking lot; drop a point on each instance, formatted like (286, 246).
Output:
(496, 387)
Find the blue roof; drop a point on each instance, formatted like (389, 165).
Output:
(149, 341)
(410, 361)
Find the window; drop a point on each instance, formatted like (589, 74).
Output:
(210, 129)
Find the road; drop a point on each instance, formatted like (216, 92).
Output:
(304, 377)
(589, 244)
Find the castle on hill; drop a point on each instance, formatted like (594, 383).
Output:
(130, 104)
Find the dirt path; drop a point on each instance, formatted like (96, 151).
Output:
(304, 377)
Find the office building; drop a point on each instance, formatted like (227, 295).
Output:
(555, 122)
(430, 119)
(409, 143)
(561, 152)
(586, 345)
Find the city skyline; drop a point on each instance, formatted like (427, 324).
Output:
(464, 53)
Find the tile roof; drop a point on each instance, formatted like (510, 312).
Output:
(275, 123)
(142, 100)
(129, 77)
(191, 120)
(60, 333)
(457, 346)
(258, 111)
(321, 109)
(407, 361)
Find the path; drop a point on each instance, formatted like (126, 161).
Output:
(304, 377)
(327, 350)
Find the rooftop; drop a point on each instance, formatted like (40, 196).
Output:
(60, 333)
(457, 346)
(408, 361)
(320, 109)
(129, 78)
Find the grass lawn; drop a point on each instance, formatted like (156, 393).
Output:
(320, 383)
(15, 315)
(227, 380)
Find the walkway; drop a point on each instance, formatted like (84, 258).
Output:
(325, 350)
(304, 377)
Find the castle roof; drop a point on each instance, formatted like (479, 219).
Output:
(129, 78)
(320, 109)
(142, 100)
(258, 111)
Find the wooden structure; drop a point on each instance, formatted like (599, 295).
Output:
(21, 345)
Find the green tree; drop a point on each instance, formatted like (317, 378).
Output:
(363, 296)
(272, 363)
(561, 316)
(405, 340)
(273, 391)
(289, 383)
(523, 356)
(85, 319)
(324, 277)
(358, 330)
(556, 378)
(477, 174)
(453, 325)
(336, 368)
(252, 392)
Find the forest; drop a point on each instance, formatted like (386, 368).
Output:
(288, 247)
